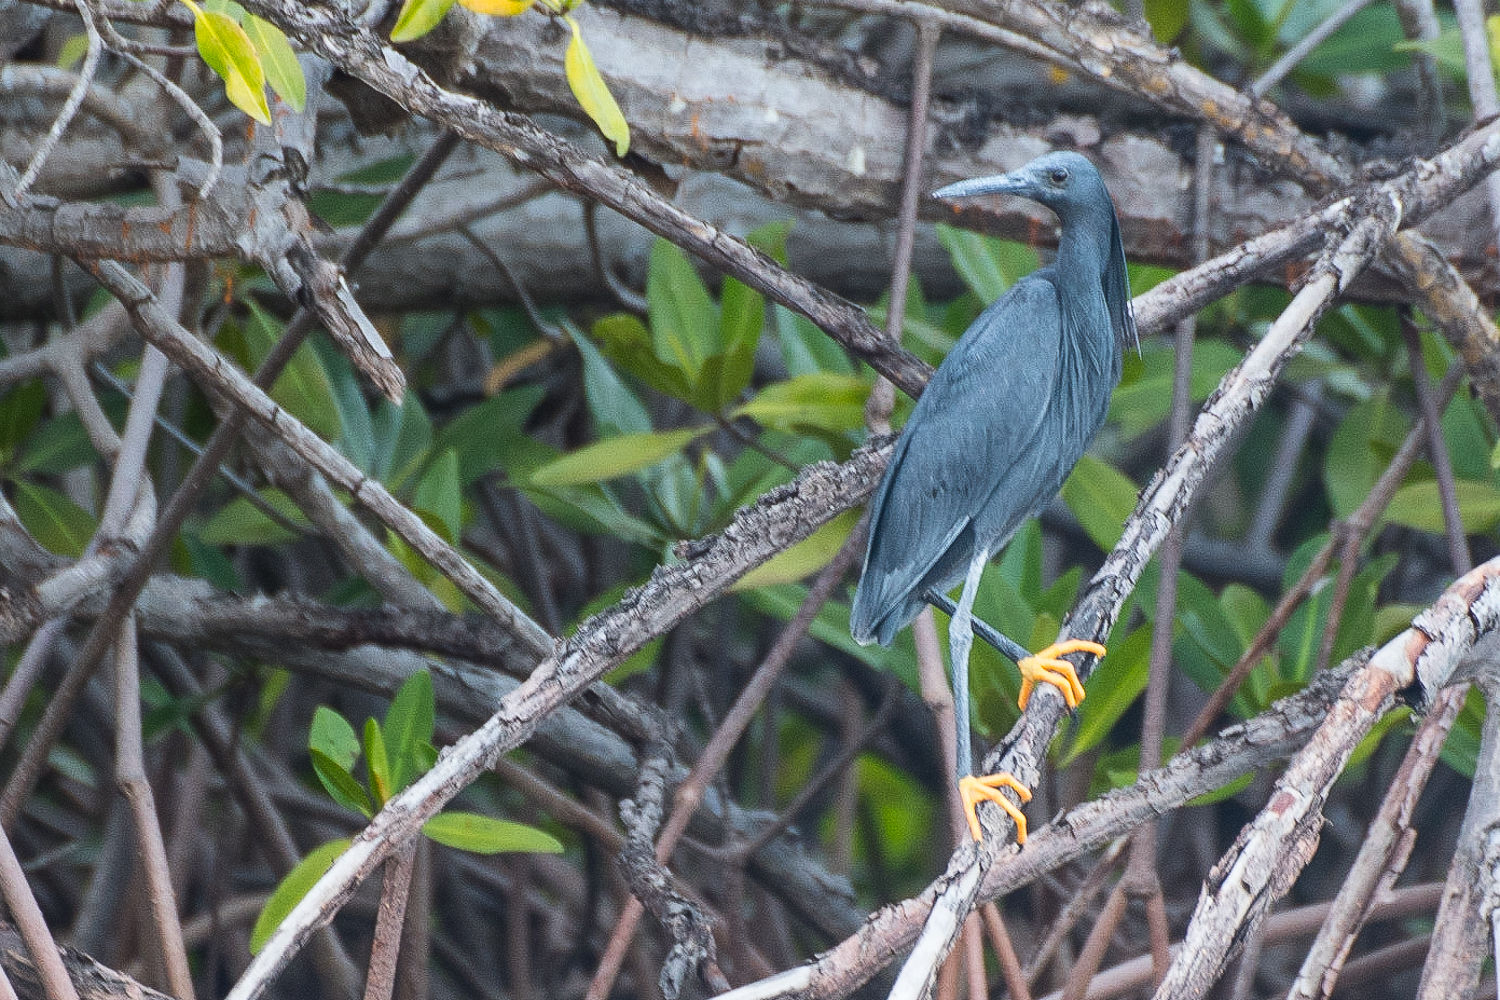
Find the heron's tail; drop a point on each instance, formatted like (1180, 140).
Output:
(871, 623)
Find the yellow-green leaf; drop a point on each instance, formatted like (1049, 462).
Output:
(229, 52)
(483, 835)
(825, 401)
(283, 71)
(418, 17)
(593, 93)
(614, 457)
(72, 50)
(1101, 497)
(498, 8)
(1418, 505)
(807, 556)
(53, 518)
(292, 888)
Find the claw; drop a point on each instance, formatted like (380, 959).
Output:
(971, 790)
(1048, 667)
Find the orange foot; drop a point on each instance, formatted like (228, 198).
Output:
(1049, 667)
(971, 790)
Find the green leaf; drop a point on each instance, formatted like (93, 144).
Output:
(332, 736)
(1360, 450)
(483, 434)
(304, 387)
(292, 888)
(1167, 19)
(378, 763)
(770, 239)
(408, 725)
(342, 786)
(440, 496)
(987, 265)
(357, 440)
(1101, 497)
(593, 93)
(684, 322)
(20, 411)
(615, 408)
(71, 51)
(595, 510)
(1366, 43)
(1227, 791)
(403, 438)
(240, 522)
(498, 8)
(53, 518)
(1464, 428)
(58, 445)
(1447, 48)
(418, 17)
(483, 835)
(1246, 611)
(1418, 505)
(807, 556)
(206, 561)
(1144, 397)
(283, 71)
(615, 457)
(805, 349)
(625, 340)
(1357, 627)
(1113, 687)
(229, 52)
(822, 402)
(1461, 749)
(742, 317)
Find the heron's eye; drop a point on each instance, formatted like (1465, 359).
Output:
(1058, 175)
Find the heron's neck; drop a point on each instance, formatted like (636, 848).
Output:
(1083, 249)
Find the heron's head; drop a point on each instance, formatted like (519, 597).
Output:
(1065, 182)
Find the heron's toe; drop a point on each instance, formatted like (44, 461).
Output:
(1048, 667)
(972, 790)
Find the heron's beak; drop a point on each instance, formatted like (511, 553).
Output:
(1013, 183)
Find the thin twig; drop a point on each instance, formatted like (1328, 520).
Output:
(64, 117)
(130, 777)
(33, 926)
(1437, 447)
(1481, 80)
(1293, 56)
(882, 394)
(380, 980)
(197, 114)
(236, 482)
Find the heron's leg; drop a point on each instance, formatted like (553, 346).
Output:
(972, 789)
(1048, 666)
(960, 642)
(993, 637)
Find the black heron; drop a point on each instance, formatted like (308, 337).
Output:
(1001, 424)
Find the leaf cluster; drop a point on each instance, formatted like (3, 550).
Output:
(396, 752)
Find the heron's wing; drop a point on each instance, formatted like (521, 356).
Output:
(971, 447)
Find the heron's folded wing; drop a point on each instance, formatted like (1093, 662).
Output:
(972, 433)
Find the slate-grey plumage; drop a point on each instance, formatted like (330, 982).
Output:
(1001, 424)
